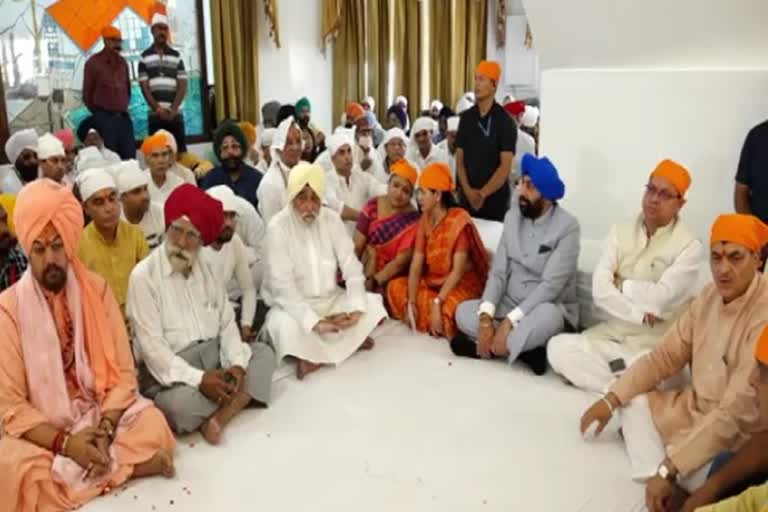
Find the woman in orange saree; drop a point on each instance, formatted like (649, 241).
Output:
(449, 263)
(386, 229)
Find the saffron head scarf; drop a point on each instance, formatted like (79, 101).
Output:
(154, 143)
(745, 230)
(674, 173)
(405, 170)
(489, 69)
(436, 176)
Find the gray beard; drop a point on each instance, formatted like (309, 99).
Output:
(181, 261)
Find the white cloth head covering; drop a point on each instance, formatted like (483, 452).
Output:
(159, 19)
(129, 176)
(368, 100)
(394, 133)
(530, 117)
(401, 99)
(453, 124)
(171, 140)
(48, 146)
(306, 174)
(436, 105)
(421, 124)
(267, 136)
(281, 137)
(340, 138)
(93, 180)
(227, 197)
(90, 158)
(18, 142)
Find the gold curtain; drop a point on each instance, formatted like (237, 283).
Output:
(235, 59)
(349, 57)
(474, 23)
(330, 20)
(377, 52)
(406, 52)
(270, 11)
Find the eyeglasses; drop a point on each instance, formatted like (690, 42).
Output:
(662, 194)
(191, 236)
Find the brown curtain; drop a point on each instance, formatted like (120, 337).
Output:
(235, 59)
(406, 53)
(270, 11)
(330, 20)
(349, 57)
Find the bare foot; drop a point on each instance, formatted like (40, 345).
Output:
(160, 464)
(213, 428)
(212, 431)
(368, 344)
(304, 368)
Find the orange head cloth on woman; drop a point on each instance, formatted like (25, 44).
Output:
(39, 204)
(436, 176)
(405, 170)
(744, 230)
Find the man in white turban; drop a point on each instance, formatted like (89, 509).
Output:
(186, 175)
(286, 153)
(21, 150)
(402, 102)
(265, 155)
(312, 318)
(138, 208)
(392, 149)
(52, 158)
(422, 151)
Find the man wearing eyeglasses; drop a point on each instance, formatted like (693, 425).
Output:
(193, 363)
(645, 275)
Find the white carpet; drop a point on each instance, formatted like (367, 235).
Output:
(406, 427)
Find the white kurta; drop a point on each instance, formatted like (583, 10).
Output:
(414, 156)
(250, 226)
(160, 194)
(377, 163)
(9, 181)
(301, 272)
(152, 225)
(186, 175)
(525, 144)
(232, 266)
(168, 313)
(352, 192)
(272, 193)
(450, 159)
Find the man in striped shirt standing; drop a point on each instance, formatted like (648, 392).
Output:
(163, 82)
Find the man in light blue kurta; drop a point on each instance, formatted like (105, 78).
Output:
(530, 295)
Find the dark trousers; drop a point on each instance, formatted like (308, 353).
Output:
(116, 128)
(175, 126)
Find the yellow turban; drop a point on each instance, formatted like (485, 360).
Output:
(744, 230)
(249, 131)
(306, 174)
(8, 202)
(674, 173)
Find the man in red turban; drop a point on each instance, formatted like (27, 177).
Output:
(73, 423)
(193, 363)
(672, 435)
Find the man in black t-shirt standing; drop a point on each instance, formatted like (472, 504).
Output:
(485, 149)
(751, 191)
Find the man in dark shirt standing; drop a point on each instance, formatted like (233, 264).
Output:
(751, 191)
(163, 82)
(230, 146)
(107, 92)
(485, 149)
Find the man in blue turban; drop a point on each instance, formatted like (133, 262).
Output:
(530, 295)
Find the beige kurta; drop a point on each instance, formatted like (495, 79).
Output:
(718, 410)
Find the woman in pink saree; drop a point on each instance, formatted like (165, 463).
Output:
(72, 423)
(386, 229)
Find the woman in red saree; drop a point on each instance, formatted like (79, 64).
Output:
(386, 229)
(449, 263)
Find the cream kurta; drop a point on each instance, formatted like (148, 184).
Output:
(718, 410)
(352, 192)
(302, 266)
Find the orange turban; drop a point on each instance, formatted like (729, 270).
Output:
(405, 170)
(354, 111)
(673, 173)
(761, 347)
(111, 33)
(489, 69)
(436, 176)
(154, 142)
(744, 230)
(249, 131)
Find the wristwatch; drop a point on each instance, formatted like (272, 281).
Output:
(666, 473)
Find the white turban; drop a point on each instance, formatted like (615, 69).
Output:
(436, 105)
(463, 105)
(226, 196)
(93, 180)
(306, 174)
(267, 136)
(48, 146)
(340, 138)
(401, 99)
(453, 124)
(368, 100)
(395, 133)
(421, 124)
(159, 19)
(18, 142)
(90, 158)
(530, 117)
(129, 176)
(171, 140)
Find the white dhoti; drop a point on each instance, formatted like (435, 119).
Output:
(289, 339)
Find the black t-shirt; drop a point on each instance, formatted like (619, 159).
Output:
(483, 140)
(753, 169)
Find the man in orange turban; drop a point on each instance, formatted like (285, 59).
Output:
(486, 143)
(73, 423)
(157, 157)
(645, 275)
(672, 435)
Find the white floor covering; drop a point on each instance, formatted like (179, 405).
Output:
(405, 427)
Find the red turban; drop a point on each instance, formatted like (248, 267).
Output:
(203, 211)
(515, 108)
(66, 136)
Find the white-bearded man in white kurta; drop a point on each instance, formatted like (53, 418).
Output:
(312, 318)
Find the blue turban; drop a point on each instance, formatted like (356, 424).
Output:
(544, 176)
(400, 113)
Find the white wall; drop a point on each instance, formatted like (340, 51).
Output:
(298, 68)
(605, 130)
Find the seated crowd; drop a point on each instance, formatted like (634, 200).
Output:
(134, 295)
